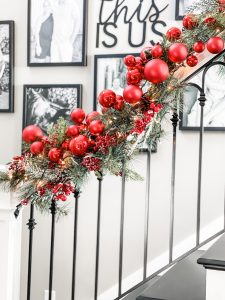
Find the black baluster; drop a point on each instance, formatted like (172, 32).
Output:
(31, 225)
(121, 231)
(98, 237)
(147, 213)
(76, 196)
(202, 101)
(53, 209)
(174, 121)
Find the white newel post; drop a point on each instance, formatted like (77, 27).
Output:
(215, 284)
(10, 248)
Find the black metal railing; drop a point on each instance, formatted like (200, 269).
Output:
(174, 120)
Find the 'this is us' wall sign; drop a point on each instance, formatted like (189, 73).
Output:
(139, 18)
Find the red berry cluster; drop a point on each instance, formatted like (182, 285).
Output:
(62, 190)
(17, 165)
(92, 163)
(102, 143)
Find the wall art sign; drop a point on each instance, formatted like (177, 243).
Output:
(143, 16)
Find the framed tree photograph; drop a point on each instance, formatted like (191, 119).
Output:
(181, 8)
(44, 104)
(214, 110)
(6, 66)
(57, 32)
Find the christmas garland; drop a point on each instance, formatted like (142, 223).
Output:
(54, 166)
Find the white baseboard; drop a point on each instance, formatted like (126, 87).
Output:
(162, 260)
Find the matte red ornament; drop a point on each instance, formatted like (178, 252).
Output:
(177, 52)
(173, 34)
(91, 116)
(145, 53)
(215, 45)
(72, 130)
(77, 115)
(210, 21)
(107, 98)
(96, 127)
(36, 148)
(156, 71)
(190, 21)
(79, 145)
(132, 94)
(54, 154)
(133, 76)
(157, 51)
(32, 133)
(192, 61)
(199, 47)
(119, 104)
(130, 61)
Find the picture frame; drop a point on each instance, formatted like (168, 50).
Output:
(181, 8)
(110, 73)
(7, 54)
(45, 45)
(214, 109)
(44, 104)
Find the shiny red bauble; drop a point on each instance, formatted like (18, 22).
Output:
(132, 94)
(221, 2)
(157, 51)
(190, 21)
(32, 133)
(177, 52)
(215, 45)
(145, 53)
(107, 98)
(210, 21)
(192, 61)
(199, 47)
(91, 116)
(156, 71)
(119, 104)
(130, 61)
(77, 115)
(36, 148)
(54, 154)
(173, 34)
(96, 127)
(133, 76)
(72, 130)
(79, 145)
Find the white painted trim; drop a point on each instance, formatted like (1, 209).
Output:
(215, 285)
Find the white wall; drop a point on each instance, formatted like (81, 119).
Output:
(186, 193)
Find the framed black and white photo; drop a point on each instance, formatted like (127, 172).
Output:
(182, 6)
(57, 32)
(6, 66)
(44, 104)
(214, 110)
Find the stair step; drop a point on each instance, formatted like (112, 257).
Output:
(185, 281)
(214, 258)
(138, 291)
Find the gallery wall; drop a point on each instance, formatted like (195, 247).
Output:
(186, 185)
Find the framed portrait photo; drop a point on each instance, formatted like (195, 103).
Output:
(6, 66)
(182, 6)
(57, 32)
(214, 110)
(44, 104)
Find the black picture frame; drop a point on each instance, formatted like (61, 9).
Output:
(180, 8)
(178, 15)
(57, 106)
(82, 62)
(7, 89)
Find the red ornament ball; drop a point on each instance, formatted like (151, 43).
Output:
(36, 148)
(190, 21)
(221, 2)
(54, 154)
(91, 116)
(156, 71)
(133, 76)
(173, 34)
(72, 130)
(119, 104)
(96, 127)
(157, 51)
(177, 52)
(77, 115)
(145, 53)
(199, 47)
(132, 94)
(192, 61)
(215, 45)
(130, 61)
(79, 145)
(107, 98)
(210, 21)
(32, 133)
